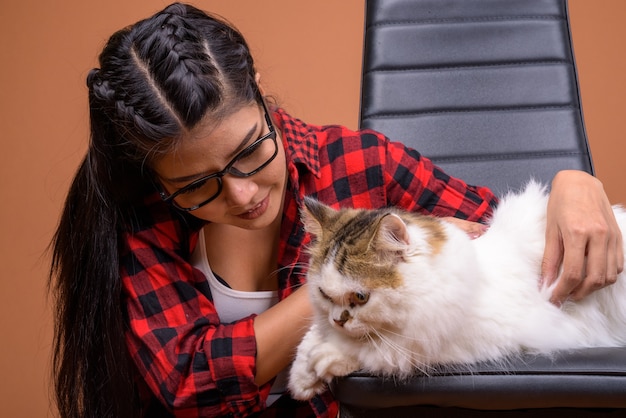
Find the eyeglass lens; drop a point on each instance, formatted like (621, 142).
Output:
(248, 161)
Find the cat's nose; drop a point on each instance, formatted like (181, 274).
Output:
(345, 316)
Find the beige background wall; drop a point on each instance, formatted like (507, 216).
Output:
(309, 54)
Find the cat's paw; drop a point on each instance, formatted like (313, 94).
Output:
(304, 388)
(304, 382)
(328, 362)
(312, 371)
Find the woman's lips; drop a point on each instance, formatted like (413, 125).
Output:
(256, 211)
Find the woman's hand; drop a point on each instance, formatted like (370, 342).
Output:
(472, 229)
(582, 236)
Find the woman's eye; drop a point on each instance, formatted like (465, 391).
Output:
(193, 187)
(249, 151)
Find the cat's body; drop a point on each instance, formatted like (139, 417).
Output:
(396, 293)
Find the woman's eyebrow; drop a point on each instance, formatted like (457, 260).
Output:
(241, 146)
(244, 142)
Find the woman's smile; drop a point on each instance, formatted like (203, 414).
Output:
(256, 211)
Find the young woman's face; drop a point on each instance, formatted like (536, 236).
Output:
(251, 202)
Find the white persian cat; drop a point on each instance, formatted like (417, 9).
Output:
(396, 293)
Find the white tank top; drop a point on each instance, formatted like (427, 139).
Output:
(233, 305)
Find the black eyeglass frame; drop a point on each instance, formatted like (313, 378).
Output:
(229, 169)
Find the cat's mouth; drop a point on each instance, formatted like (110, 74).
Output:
(346, 324)
(343, 318)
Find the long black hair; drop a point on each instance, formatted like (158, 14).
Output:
(157, 79)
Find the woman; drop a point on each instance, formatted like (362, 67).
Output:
(179, 261)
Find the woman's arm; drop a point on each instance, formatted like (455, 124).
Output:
(414, 183)
(278, 331)
(192, 363)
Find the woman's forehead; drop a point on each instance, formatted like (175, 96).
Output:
(211, 144)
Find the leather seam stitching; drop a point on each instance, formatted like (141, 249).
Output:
(465, 20)
(508, 156)
(546, 63)
(393, 115)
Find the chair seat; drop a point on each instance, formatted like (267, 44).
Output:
(587, 378)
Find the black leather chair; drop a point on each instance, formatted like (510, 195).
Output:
(488, 90)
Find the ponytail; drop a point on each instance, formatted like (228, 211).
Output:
(158, 79)
(90, 355)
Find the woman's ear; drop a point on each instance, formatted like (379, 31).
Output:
(257, 80)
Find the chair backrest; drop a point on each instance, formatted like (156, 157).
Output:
(487, 89)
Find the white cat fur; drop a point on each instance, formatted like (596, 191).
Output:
(475, 300)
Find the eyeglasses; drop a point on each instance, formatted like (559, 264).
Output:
(246, 163)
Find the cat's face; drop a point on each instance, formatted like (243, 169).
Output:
(358, 307)
(353, 274)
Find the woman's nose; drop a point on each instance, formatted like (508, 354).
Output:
(238, 191)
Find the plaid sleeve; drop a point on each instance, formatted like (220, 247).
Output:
(416, 184)
(193, 364)
(365, 169)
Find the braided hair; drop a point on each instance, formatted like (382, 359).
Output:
(157, 79)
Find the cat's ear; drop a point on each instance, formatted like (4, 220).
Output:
(314, 214)
(392, 234)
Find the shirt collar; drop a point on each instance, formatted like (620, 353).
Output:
(301, 142)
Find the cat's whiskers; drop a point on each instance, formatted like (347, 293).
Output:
(299, 269)
(386, 345)
(303, 267)
(406, 337)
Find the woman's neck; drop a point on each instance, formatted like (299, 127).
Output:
(245, 259)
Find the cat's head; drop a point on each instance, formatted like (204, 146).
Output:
(355, 273)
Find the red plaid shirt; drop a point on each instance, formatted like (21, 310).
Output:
(198, 366)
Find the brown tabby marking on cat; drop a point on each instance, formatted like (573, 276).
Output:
(437, 236)
(366, 247)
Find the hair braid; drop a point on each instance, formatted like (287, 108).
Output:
(177, 59)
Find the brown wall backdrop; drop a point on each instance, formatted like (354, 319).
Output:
(309, 54)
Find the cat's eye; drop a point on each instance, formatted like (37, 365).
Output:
(359, 298)
(324, 295)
